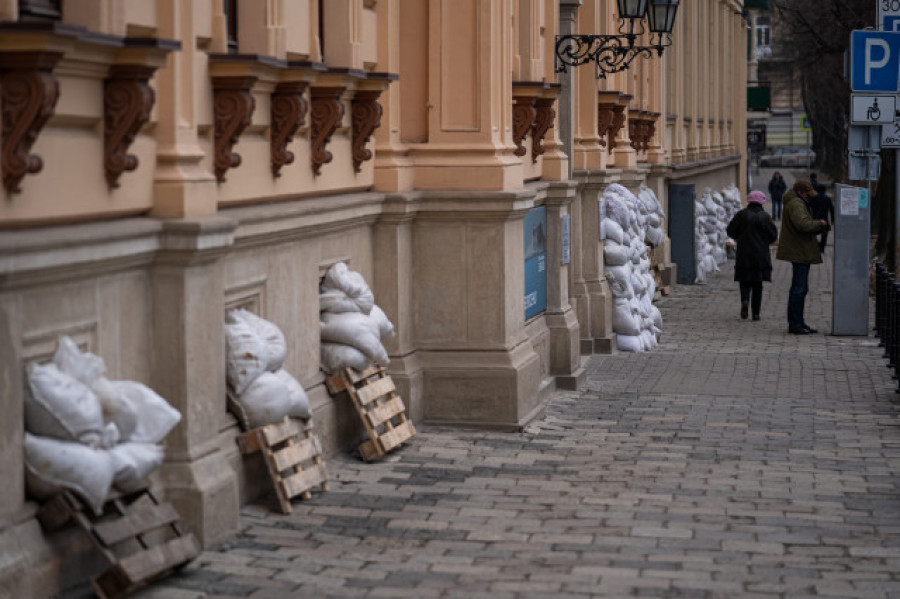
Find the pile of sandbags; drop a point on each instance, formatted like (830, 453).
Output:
(87, 433)
(653, 215)
(352, 325)
(623, 228)
(262, 392)
(707, 230)
(732, 196)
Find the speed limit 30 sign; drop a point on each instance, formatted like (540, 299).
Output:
(889, 15)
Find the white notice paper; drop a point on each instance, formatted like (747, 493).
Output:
(849, 202)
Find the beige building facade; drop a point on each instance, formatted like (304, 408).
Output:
(164, 160)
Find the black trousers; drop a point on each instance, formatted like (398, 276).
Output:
(823, 241)
(752, 292)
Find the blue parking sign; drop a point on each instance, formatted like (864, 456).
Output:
(874, 61)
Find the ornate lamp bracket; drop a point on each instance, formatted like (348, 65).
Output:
(233, 106)
(325, 116)
(127, 102)
(28, 95)
(289, 108)
(366, 113)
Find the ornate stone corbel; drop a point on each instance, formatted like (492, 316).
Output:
(636, 130)
(325, 117)
(233, 106)
(366, 114)
(604, 121)
(28, 95)
(651, 129)
(618, 122)
(289, 108)
(127, 101)
(523, 118)
(542, 122)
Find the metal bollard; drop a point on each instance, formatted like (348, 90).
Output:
(893, 344)
(890, 317)
(880, 274)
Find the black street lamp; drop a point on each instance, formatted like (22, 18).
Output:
(614, 53)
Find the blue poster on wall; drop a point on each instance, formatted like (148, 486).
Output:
(535, 261)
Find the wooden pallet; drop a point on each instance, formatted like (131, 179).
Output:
(380, 408)
(293, 455)
(137, 534)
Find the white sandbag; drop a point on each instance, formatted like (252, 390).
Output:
(623, 320)
(246, 354)
(656, 317)
(116, 407)
(271, 335)
(335, 300)
(630, 343)
(356, 329)
(350, 282)
(61, 407)
(385, 326)
(52, 464)
(637, 283)
(84, 367)
(653, 220)
(155, 417)
(619, 279)
(298, 402)
(655, 236)
(108, 437)
(133, 463)
(612, 230)
(648, 340)
(614, 254)
(265, 401)
(337, 356)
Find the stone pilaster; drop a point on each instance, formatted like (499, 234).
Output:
(565, 351)
(469, 309)
(189, 370)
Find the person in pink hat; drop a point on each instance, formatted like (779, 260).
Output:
(753, 230)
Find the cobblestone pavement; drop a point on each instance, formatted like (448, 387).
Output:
(735, 460)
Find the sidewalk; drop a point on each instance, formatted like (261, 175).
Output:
(733, 461)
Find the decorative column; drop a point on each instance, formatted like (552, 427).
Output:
(567, 14)
(189, 371)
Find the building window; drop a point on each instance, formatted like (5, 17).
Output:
(231, 24)
(763, 32)
(40, 10)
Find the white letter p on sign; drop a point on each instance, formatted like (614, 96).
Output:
(872, 64)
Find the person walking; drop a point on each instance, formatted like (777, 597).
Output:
(823, 209)
(777, 187)
(799, 246)
(753, 230)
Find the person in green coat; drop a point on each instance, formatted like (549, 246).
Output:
(799, 245)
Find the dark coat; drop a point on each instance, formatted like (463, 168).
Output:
(799, 231)
(822, 207)
(753, 230)
(777, 187)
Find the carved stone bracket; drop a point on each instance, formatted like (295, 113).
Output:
(651, 128)
(618, 121)
(325, 117)
(366, 114)
(604, 121)
(542, 122)
(636, 129)
(289, 108)
(127, 101)
(524, 113)
(233, 106)
(28, 95)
